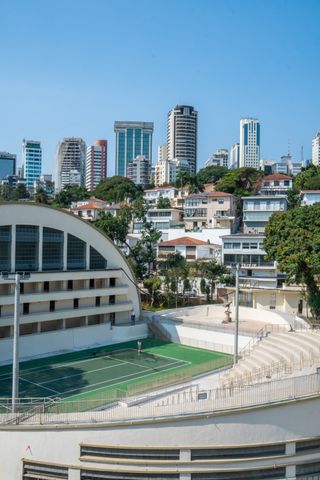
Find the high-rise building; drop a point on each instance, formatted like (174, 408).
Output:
(220, 158)
(31, 161)
(249, 142)
(96, 164)
(235, 155)
(7, 164)
(71, 159)
(132, 140)
(182, 135)
(162, 152)
(139, 170)
(316, 149)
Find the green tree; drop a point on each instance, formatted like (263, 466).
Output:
(153, 285)
(195, 186)
(163, 202)
(19, 193)
(240, 181)
(211, 174)
(308, 178)
(293, 240)
(212, 272)
(174, 268)
(144, 251)
(293, 198)
(41, 196)
(203, 286)
(69, 194)
(117, 189)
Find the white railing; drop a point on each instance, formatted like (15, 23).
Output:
(212, 401)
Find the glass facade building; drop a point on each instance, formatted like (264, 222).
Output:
(7, 164)
(31, 161)
(132, 140)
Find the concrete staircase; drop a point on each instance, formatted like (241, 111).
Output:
(274, 356)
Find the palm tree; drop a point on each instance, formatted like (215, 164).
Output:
(212, 271)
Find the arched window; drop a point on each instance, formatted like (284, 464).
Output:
(52, 249)
(97, 261)
(76, 256)
(27, 248)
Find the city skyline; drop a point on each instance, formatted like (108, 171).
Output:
(46, 93)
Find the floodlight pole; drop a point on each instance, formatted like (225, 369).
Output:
(16, 332)
(236, 309)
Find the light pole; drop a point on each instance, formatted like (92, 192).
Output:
(236, 310)
(18, 276)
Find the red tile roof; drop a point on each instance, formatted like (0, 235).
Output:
(184, 241)
(277, 176)
(310, 191)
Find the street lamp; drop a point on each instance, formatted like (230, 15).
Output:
(17, 277)
(236, 308)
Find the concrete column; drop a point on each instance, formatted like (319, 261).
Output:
(290, 448)
(40, 248)
(13, 248)
(65, 251)
(87, 256)
(185, 476)
(185, 455)
(290, 469)
(74, 474)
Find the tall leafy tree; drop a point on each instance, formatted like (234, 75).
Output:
(69, 194)
(293, 240)
(211, 174)
(212, 271)
(308, 178)
(117, 189)
(163, 202)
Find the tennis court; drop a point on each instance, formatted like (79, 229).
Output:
(90, 373)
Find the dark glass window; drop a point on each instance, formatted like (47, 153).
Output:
(46, 286)
(70, 284)
(131, 453)
(112, 282)
(5, 248)
(26, 309)
(52, 250)
(98, 301)
(76, 303)
(76, 257)
(112, 318)
(97, 261)
(52, 305)
(91, 283)
(112, 299)
(27, 243)
(21, 287)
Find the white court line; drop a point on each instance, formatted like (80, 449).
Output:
(78, 374)
(118, 378)
(38, 385)
(156, 355)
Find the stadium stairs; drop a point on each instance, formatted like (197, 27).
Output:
(274, 356)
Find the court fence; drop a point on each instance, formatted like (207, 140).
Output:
(203, 403)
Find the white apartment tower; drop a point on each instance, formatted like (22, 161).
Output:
(249, 142)
(182, 135)
(71, 162)
(139, 170)
(96, 164)
(235, 155)
(316, 150)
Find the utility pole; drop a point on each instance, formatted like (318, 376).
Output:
(236, 308)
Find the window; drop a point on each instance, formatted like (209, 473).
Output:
(21, 288)
(70, 284)
(112, 282)
(97, 261)
(112, 299)
(52, 249)
(98, 299)
(76, 256)
(91, 283)
(46, 286)
(112, 318)
(52, 306)
(131, 453)
(76, 303)
(5, 248)
(36, 471)
(27, 243)
(26, 308)
(246, 245)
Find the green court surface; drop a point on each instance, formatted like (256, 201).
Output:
(102, 371)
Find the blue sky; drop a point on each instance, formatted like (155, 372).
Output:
(73, 67)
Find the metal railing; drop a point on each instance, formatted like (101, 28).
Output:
(210, 401)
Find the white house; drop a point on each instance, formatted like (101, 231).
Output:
(189, 248)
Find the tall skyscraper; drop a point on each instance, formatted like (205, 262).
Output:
(96, 163)
(31, 161)
(132, 140)
(71, 160)
(7, 164)
(249, 142)
(316, 149)
(182, 135)
(235, 155)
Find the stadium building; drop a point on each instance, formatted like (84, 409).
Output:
(255, 420)
(81, 291)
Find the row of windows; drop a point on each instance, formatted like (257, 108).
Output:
(27, 250)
